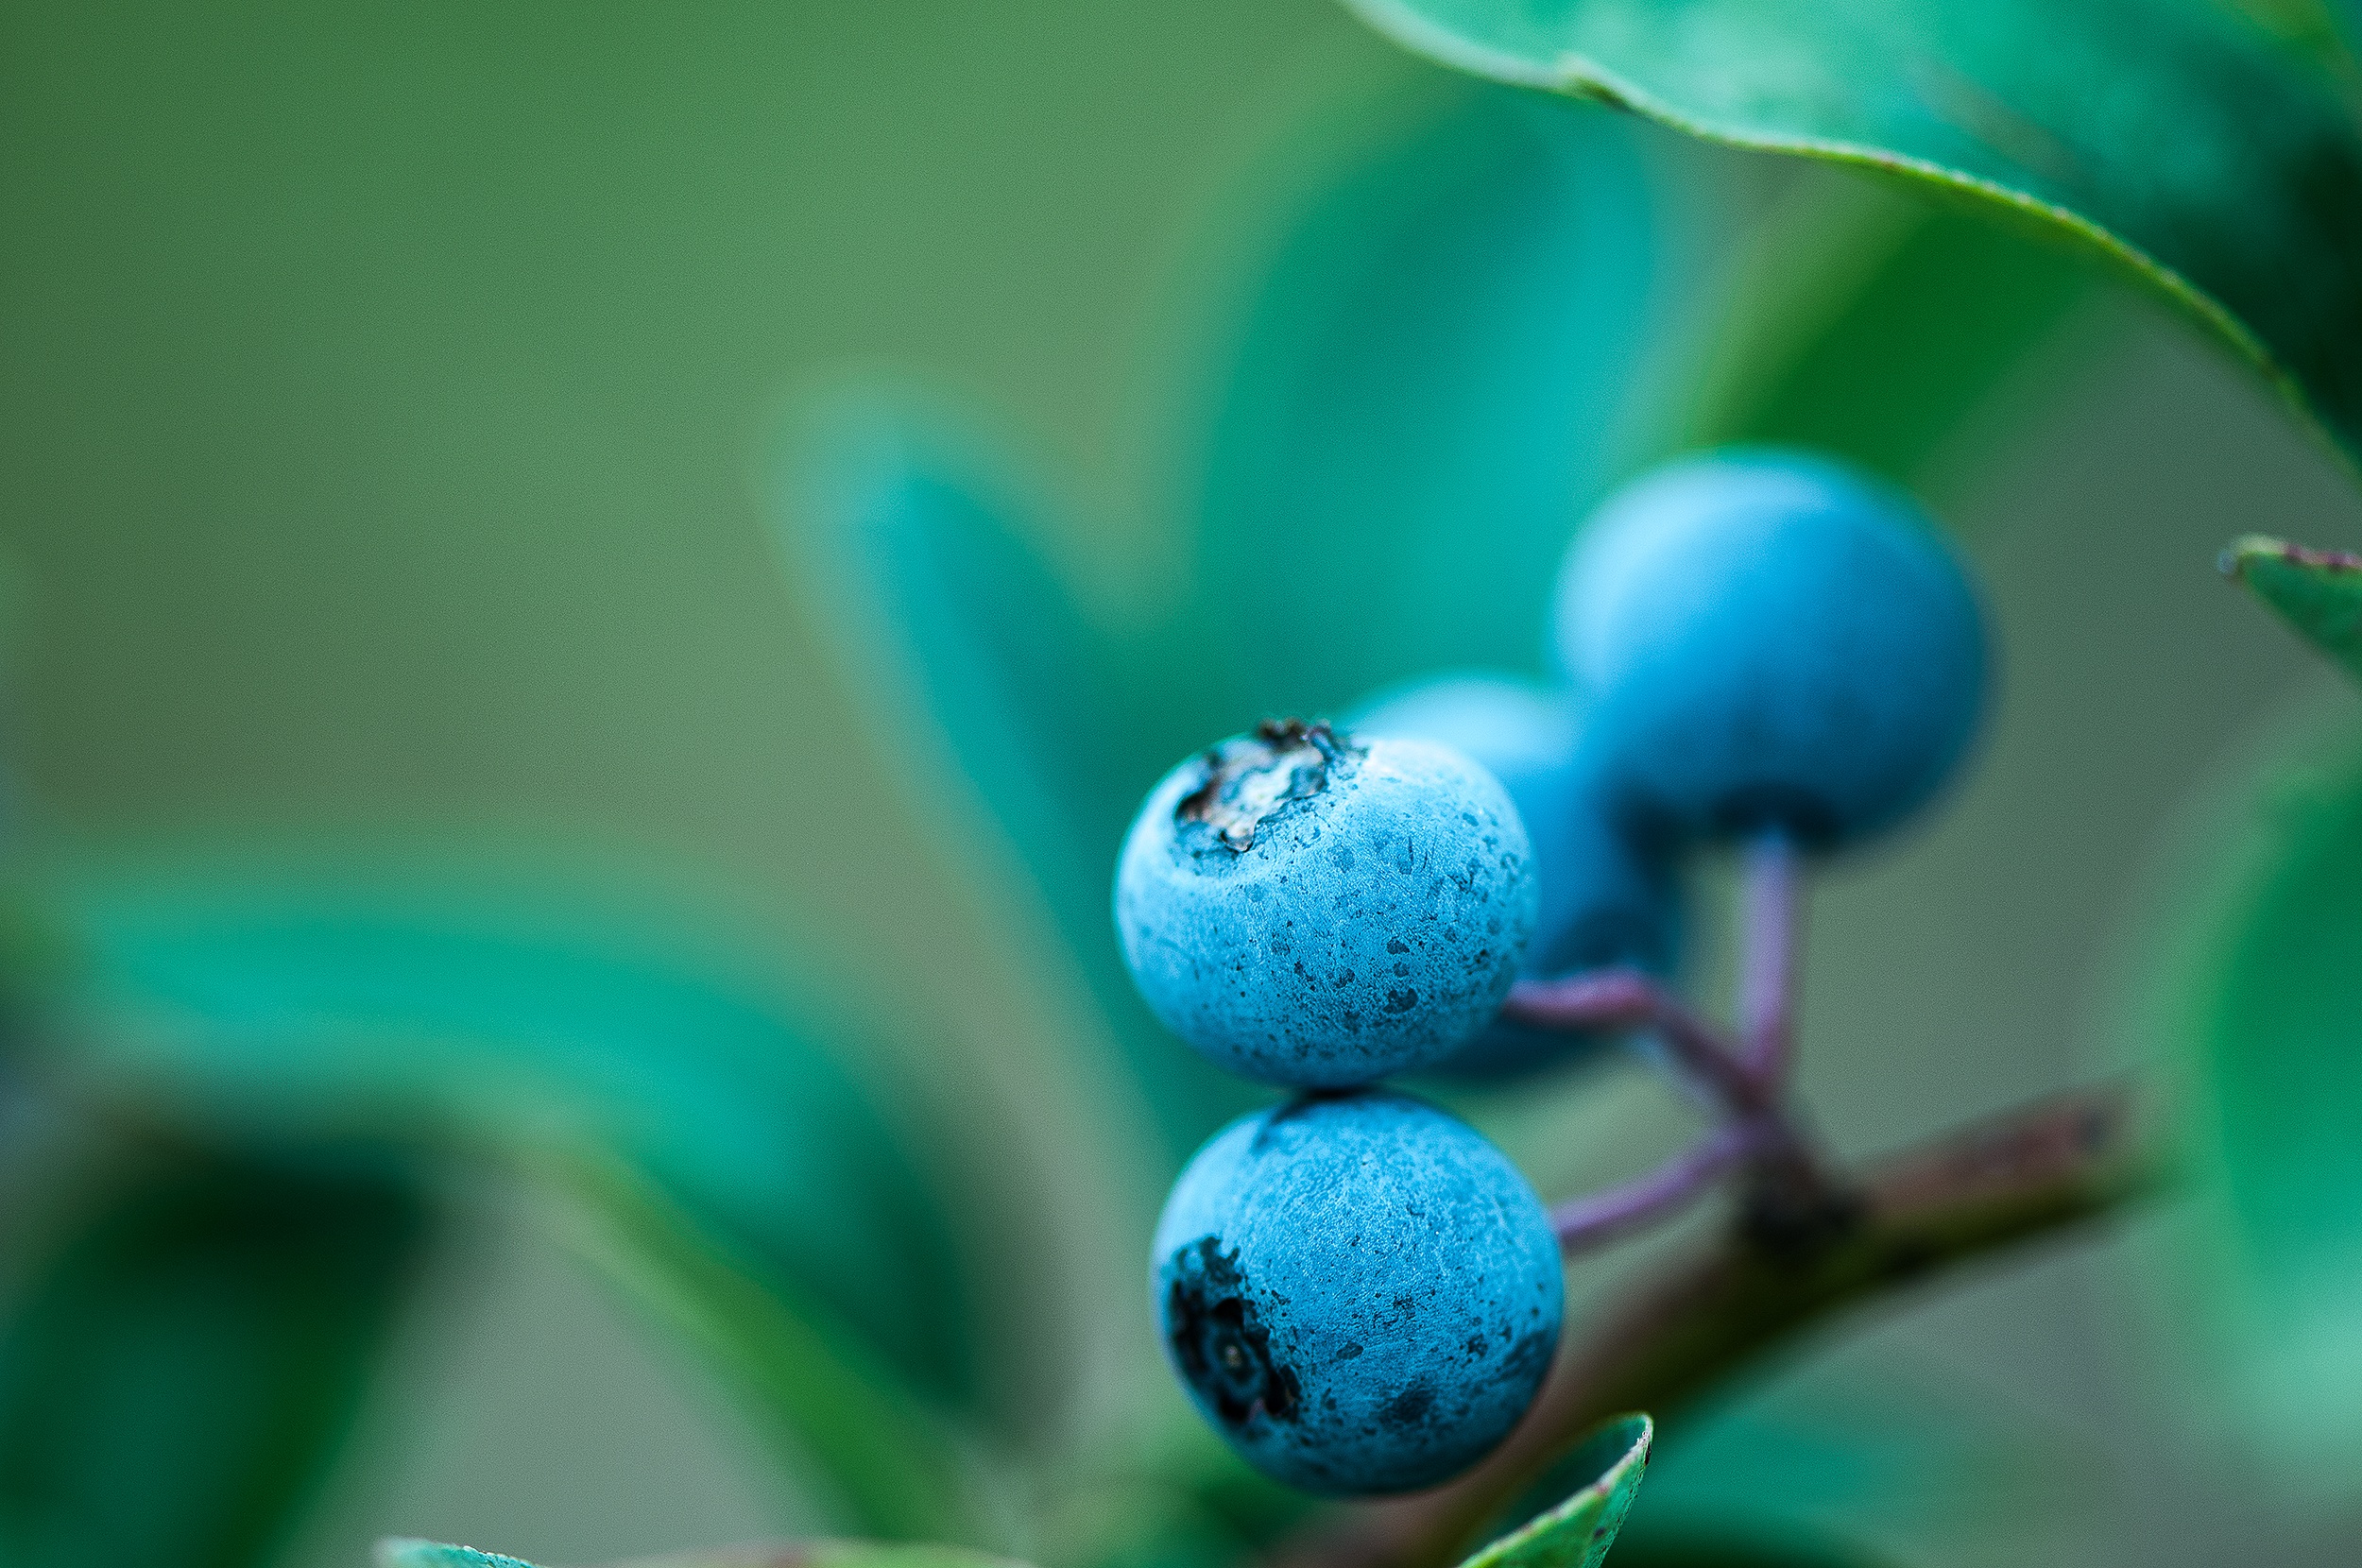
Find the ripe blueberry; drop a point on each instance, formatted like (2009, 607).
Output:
(1311, 909)
(1607, 892)
(1359, 1292)
(1770, 640)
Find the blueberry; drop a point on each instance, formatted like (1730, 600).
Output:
(1771, 641)
(1311, 909)
(1607, 889)
(1359, 1291)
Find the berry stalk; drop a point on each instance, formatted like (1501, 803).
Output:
(1629, 999)
(1767, 983)
(1788, 1192)
(1599, 1217)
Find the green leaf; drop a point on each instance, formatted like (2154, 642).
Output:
(818, 1394)
(1878, 1443)
(876, 1554)
(500, 1020)
(401, 1552)
(2265, 988)
(179, 1365)
(2312, 27)
(1870, 323)
(829, 1553)
(2206, 160)
(1427, 388)
(1417, 396)
(982, 672)
(2316, 591)
(1644, 1544)
(1579, 1531)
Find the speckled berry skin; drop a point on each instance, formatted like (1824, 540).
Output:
(1359, 1291)
(1608, 893)
(1312, 910)
(1770, 640)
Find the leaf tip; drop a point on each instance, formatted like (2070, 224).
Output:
(1577, 1532)
(2245, 551)
(401, 1551)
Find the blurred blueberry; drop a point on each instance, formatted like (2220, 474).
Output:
(1769, 640)
(1607, 891)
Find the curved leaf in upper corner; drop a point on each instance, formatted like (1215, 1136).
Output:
(1872, 323)
(2204, 157)
(2316, 591)
(1579, 1531)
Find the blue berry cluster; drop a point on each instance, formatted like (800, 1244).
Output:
(1356, 1289)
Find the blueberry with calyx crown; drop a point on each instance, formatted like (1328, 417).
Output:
(1312, 910)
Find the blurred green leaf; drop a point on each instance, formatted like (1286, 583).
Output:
(377, 999)
(1870, 321)
(2316, 591)
(977, 662)
(793, 1554)
(1419, 397)
(828, 1553)
(2207, 160)
(1643, 1545)
(2269, 988)
(1426, 390)
(1579, 1531)
(1179, 1497)
(179, 1365)
(877, 1553)
(818, 1394)
(1873, 1443)
(2310, 26)
(501, 1021)
(401, 1552)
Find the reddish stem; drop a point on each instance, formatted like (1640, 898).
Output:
(1788, 1191)
(1599, 1217)
(1629, 999)
(1766, 981)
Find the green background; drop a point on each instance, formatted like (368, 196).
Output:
(383, 401)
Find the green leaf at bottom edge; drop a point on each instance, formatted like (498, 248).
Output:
(2316, 591)
(1578, 1532)
(398, 1552)
(403, 1553)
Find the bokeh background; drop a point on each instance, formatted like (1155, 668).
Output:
(399, 421)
